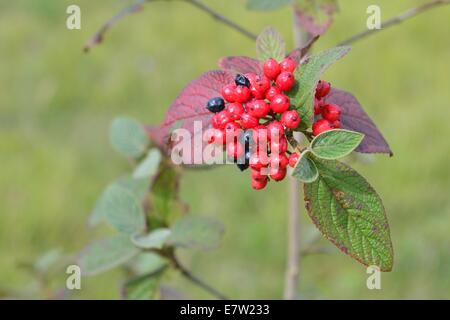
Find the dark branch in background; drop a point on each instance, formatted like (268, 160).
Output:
(396, 20)
(188, 275)
(138, 6)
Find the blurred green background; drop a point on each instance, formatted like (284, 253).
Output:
(56, 104)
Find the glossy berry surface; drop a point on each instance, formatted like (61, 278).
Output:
(331, 112)
(288, 64)
(280, 103)
(236, 110)
(229, 93)
(285, 81)
(258, 108)
(278, 174)
(272, 93)
(259, 184)
(235, 150)
(323, 89)
(242, 80)
(320, 126)
(293, 159)
(290, 119)
(275, 129)
(215, 105)
(248, 121)
(259, 87)
(271, 69)
(242, 94)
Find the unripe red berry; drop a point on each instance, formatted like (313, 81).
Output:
(290, 119)
(248, 121)
(276, 129)
(221, 119)
(258, 108)
(271, 69)
(278, 174)
(323, 89)
(320, 126)
(242, 94)
(288, 64)
(293, 159)
(336, 124)
(235, 110)
(235, 150)
(259, 160)
(272, 92)
(259, 184)
(285, 81)
(229, 92)
(278, 146)
(331, 112)
(280, 103)
(259, 87)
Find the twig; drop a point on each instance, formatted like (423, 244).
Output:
(137, 6)
(396, 20)
(188, 275)
(219, 17)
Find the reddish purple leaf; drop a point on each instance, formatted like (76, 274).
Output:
(240, 64)
(356, 119)
(316, 16)
(190, 106)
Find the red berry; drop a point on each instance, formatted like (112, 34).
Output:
(259, 184)
(235, 110)
(259, 87)
(221, 119)
(232, 129)
(331, 112)
(242, 94)
(318, 104)
(278, 174)
(235, 150)
(278, 146)
(258, 108)
(257, 175)
(259, 160)
(248, 121)
(285, 81)
(229, 93)
(288, 64)
(323, 89)
(215, 136)
(260, 135)
(280, 103)
(272, 92)
(293, 159)
(336, 124)
(320, 126)
(290, 119)
(279, 160)
(271, 69)
(276, 129)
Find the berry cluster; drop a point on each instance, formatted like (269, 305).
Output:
(250, 120)
(330, 113)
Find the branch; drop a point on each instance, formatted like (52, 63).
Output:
(396, 20)
(188, 275)
(137, 6)
(220, 18)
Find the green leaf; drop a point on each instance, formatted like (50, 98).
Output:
(348, 211)
(149, 166)
(146, 262)
(164, 195)
(144, 287)
(307, 76)
(305, 170)
(266, 4)
(203, 233)
(128, 137)
(153, 240)
(123, 210)
(335, 144)
(270, 44)
(106, 254)
(138, 187)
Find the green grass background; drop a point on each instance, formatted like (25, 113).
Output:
(56, 104)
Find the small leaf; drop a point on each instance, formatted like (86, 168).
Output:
(106, 254)
(240, 64)
(123, 210)
(305, 170)
(335, 144)
(266, 4)
(143, 287)
(270, 44)
(348, 211)
(195, 232)
(149, 166)
(354, 118)
(315, 16)
(128, 137)
(307, 76)
(153, 240)
(138, 187)
(146, 262)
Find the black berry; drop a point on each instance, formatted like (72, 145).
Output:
(241, 80)
(215, 105)
(244, 166)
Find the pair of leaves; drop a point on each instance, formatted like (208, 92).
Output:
(329, 145)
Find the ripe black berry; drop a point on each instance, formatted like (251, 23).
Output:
(241, 80)
(244, 166)
(215, 105)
